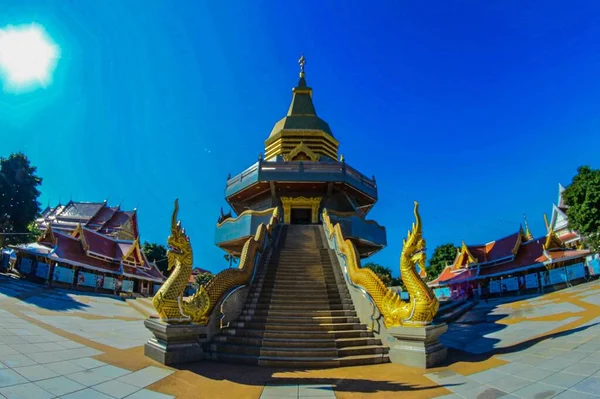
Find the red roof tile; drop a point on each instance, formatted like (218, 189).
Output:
(464, 276)
(100, 244)
(569, 236)
(567, 253)
(118, 219)
(101, 217)
(479, 252)
(530, 254)
(495, 250)
(70, 249)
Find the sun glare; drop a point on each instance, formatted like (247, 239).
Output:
(27, 56)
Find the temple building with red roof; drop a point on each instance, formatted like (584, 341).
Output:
(89, 245)
(517, 262)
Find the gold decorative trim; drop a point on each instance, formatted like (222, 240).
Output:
(515, 249)
(312, 203)
(78, 231)
(285, 140)
(552, 241)
(247, 212)
(304, 133)
(47, 235)
(464, 251)
(135, 248)
(81, 237)
(299, 149)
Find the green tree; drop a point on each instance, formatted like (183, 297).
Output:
(384, 274)
(156, 253)
(33, 231)
(204, 278)
(582, 197)
(19, 194)
(231, 259)
(442, 255)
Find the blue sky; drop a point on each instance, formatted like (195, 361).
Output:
(476, 109)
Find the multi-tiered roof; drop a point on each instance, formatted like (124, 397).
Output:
(96, 216)
(94, 236)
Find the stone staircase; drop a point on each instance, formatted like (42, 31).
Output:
(298, 313)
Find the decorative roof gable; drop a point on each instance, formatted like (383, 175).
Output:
(464, 257)
(552, 241)
(134, 255)
(47, 236)
(78, 233)
(520, 236)
(301, 149)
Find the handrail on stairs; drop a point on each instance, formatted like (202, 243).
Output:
(364, 293)
(258, 257)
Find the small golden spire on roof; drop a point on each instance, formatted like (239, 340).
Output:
(528, 234)
(302, 61)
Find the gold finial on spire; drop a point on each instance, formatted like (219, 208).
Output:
(302, 61)
(528, 234)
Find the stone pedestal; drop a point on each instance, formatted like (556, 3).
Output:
(174, 343)
(417, 346)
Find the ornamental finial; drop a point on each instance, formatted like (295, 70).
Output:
(302, 61)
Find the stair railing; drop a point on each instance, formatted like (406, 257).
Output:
(260, 255)
(344, 265)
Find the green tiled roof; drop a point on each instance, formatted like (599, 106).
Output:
(301, 114)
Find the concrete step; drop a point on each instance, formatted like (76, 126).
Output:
(318, 362)
(295, 281)
(304, 313)
(298, 301)
(298, 295)
(295, 307)
(297, 315)
(297, 363)
(299, 335)
(297, 352)
(268, 326)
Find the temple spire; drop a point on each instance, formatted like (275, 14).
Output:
(528, 234)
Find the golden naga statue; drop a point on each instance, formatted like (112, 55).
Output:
(169, 302)
(423, 304)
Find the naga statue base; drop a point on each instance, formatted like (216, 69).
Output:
(417, 346)
(174, 343)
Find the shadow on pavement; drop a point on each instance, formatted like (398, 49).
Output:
(251, 375)
(29, 293)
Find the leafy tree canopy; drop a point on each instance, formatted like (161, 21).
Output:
(156, 253)
(384, 273)
(582, 197)
(19, 194)
(204, 278)
(442, 255)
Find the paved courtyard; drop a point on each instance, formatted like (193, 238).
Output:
(62, 344)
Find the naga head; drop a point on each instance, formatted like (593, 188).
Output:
(179, 246)
(414, 244)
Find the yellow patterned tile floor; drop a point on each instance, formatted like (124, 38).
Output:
(55, 343)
